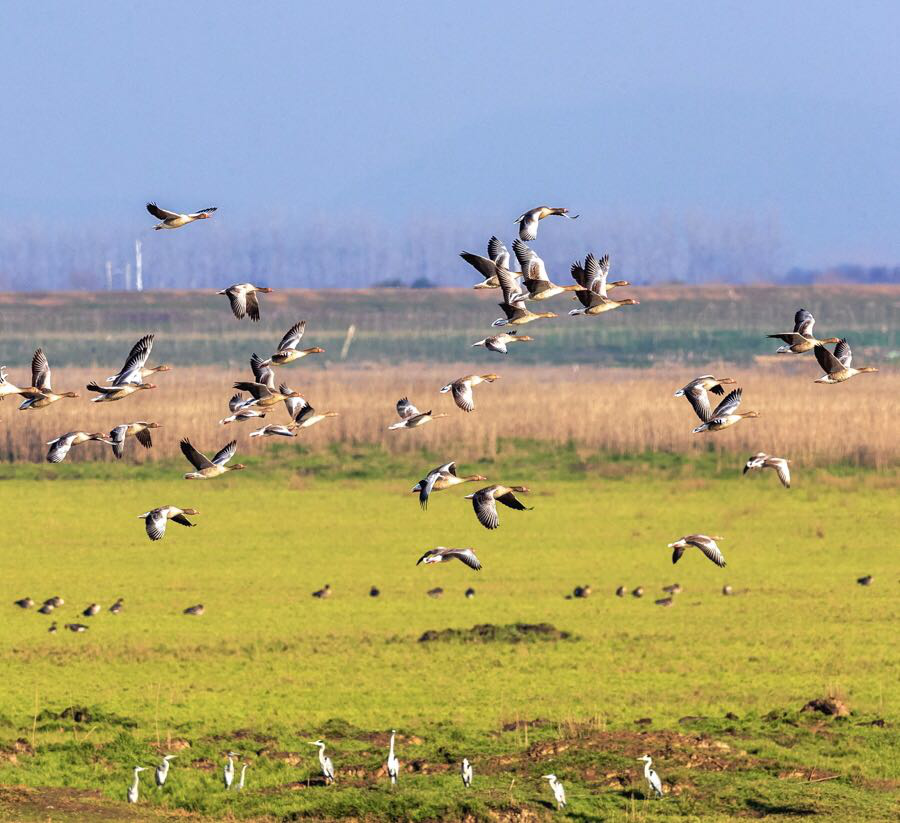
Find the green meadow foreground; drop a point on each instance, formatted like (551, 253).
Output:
(717, 682)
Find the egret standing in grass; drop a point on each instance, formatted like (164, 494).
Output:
(466, 772)
(162, 770)
(652, 776)
(559, 793)
(240, 784)
(325, 761)
(228, 772)
(393, 765)
(133, 788)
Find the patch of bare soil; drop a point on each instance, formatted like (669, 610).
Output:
(489, 633)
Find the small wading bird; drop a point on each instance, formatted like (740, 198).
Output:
(725, 415)
(696, 393)
(466, 772)
(240, 411)
(534, 274)
(462, 389)
(837, 365)
(40, 393)
(528, 221)
(484, 502)
(174, 220)
(393, 765)
(801, 339)
(498, 256)
(59, 447)
(207, 468)
(287, 351)
(499, 342)
(703, 542)
(228, 771)
(162, 770)
(109, 394)
(411, 417)
(761, 460)
(240, 785)
(441, 478)
(325, 763)
(593, 296)
(559, 793)
(156, 520)
(513, 305)
(652, 777)
(133, 788)
(134, 370)
(440, 554)
(244, 300)
(139, 430)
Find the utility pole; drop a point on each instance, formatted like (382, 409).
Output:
(138, 267)
(128, 277)
(109, 275)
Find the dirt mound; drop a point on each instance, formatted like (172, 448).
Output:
(828, 705)
(489, 633)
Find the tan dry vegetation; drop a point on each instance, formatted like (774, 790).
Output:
(609, 410)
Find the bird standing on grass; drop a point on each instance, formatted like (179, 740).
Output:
(559, 793)
(240, 785)
(133, 788)
(162, 770)
(174, 220)
(652, 777)
(703, 542)
(228, 771)
(325, 763)
(466, 772)
(393, 765)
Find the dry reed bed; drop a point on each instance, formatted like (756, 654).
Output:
(611, 410)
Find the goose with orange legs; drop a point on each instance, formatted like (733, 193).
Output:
(40, 394)
(836, 365)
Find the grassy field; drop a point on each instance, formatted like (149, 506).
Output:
(716, 682)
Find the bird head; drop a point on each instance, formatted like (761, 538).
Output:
(190, 511)
(147, 386)
(630, 301)
(550, 777)
(154, 425)
(237, 467)
(315, 350)
(163, 368)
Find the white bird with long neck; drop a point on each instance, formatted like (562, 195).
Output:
(133, 788)
(559, 793)
(652, 776)
(393, 765)
(325, 762)
(162, 770)
(228, 771)
(240, 784)
(466, 772)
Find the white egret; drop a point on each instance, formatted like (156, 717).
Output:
(228, 772)
(652, 776)
(559, 793)
(393, 765)
(325, 761)
(133, 789)
(240, 784)
(466, 771)
(162, 770)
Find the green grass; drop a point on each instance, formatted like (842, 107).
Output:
(268, 667)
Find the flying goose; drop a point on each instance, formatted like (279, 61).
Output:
(264, 395)
(140, 430)
(240, 411)
(725, 415)
(156, 520)
(528, 221)
(275, 430)
(761, 460)
(59, 447)
(696, 390)
(440, 554)
(513, 305)
(559, 793)
(801, 339)
(441, 478)
(411, 417)
(174, 220)
(40, 393)
(305, 415)
(287, 351)
(498, 255)
(207, 468)
(244, 300)
(462, 389)
(7, 388)
(597, 277)
(593, 297)
(534, 274)
(109, 394)
(499, 342)
(706, 544)
(134, 370)
(837, 365)
(484, 502)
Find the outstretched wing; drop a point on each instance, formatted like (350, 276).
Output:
(40, 371)
(467, 556)
(426, 487)
(156, 524)
(829, 363)
(843, 354)
(253, 306)
(199, 461)
(159, 213)
(509, 286)
(406, 409)
(596, 272)
(509, 499)
(708, 547)
(262, 371)
(144, 438)
(486, 510)
(208, 210)
(136, 360)
(497, 252)
(804, 322)
(699, 400)
(463, 395)
(729, 405)
(225, 454)
(238, 299)
(292, 338)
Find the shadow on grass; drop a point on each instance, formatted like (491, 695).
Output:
(765, 809)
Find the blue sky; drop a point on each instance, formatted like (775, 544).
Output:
(387, 111)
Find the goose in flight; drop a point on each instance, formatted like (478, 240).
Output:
(205, 467)
(174, 220)
(441, 478)
(593, 296)
(7, 388)
(499, 342)
(764, 461)
(244, 300)
(287, 351)
(59, 447)
(534, 274)
(559, 793)
(265, 395)
(305, 415)
(440, 554)
(411, 417)
(528, 221)
(40, 393)
(593, 280)
(836, 365)
(240, 411)
(706, 544)
(134, 370)
(725, 414)
(109, 394)
(462, 389)
(696, 393)
(801, 339)
(513, 305)
(156, 520)
(274, 430)
(498, 256)
(139, 430)
(484, 502)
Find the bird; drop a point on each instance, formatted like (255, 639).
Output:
(240, 411)
(621, 591)
(52, 629)
(672, 588)
(60, 446)
(441, 478)
(195, 610)
(499, 342)
(274, 429)
(725, 414)
(55, 601)
(228, 771)
(696, 392)
(325, 763)
(157, 519)
(76, 627)
(534, 274)
(559, 793)
(703, 542)
(133, 789)
(134, 370)
(462, 389)
(727, 590)
(374, 591)
(652, 777)
(393, 765)
(638, 592)
(109, 394)
(174, 220)
(411, 417)
(836, 365)
(466, 772)
(593, 296)
(140, 430)
(595, 278)
(440, 554)
(323, 593)
(498, 255)
(207, 468)
(528, 220)
(801, 339)
(304, 415)
(7, 388)
(162, 770)
(513, 305)
(46, 608)
(241, 780)
(469, 593)
(484, 502)
(761, 460)
(244, 300)
(24, 603)
(40, 393)
(117, 607)
(665, 601)
(287, 351)
(865, 581)
(266, 396)
(583, 591)
(91, 610)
